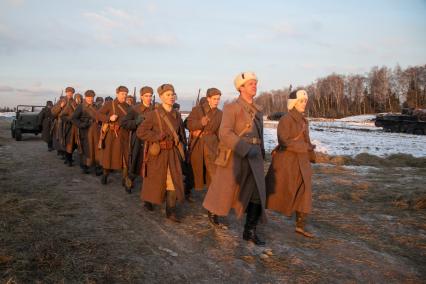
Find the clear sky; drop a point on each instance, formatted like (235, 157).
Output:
(93, 44)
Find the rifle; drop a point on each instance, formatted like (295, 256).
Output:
(192, 144)
(134, 94)
(197, 102)
(102, 135)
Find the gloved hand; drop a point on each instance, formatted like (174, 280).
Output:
(138, 119)
(253, 152)
(204, 120)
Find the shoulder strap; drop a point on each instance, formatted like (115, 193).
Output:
(170, 126)
(113, 107)
(159, 120)
(122, 109)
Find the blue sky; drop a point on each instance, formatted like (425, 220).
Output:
(48, 45)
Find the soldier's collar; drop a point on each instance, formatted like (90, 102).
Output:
(296, 115)
(251, 107)
(165, 112)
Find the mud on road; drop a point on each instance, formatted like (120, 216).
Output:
(58, 225)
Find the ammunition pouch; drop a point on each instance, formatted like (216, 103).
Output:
(223, 156)
(154, 149)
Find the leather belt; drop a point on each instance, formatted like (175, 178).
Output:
(166, 145)
(252, 140)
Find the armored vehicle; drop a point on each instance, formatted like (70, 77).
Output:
(409, 121)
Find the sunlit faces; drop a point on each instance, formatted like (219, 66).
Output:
(78, 99)
(69, 95)
(249, 88)
(121, 96)
(89, 100)
(146, 99)
(213, 101)
(301, 105)
(168, 98)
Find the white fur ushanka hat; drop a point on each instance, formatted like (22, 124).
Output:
(243, 77)
(294, 97)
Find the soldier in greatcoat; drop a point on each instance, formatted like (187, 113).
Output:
(239, 181)
(203, 124)
(84, 118)
(114, 139)
(66, 132)
(45, 120)
(289, 178)
(164, 135)
(131, 122)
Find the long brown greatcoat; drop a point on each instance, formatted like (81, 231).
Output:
(116, 142)
(84, 118)
(288, 180)
(45, 120)
(136, 145)
(64, 132)
(233, 184)
(154, 183)
(58, 125)
(203, 143)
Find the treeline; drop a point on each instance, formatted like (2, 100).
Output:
(7, 109)
(380, 90)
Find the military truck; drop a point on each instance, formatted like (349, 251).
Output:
(25, 121)
(409, 121)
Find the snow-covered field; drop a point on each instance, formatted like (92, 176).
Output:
(7, 115)
(347, 136)
(354, 135)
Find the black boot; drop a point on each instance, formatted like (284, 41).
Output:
(148, 206)
(85, 169)
(213, 218)
(104, 178)
(126, 181)
(68, 159)
(98, 170)
(171, 206)
(254, 212)
(300, 225)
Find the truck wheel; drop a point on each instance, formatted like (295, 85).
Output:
(18, 135)
(12, 132)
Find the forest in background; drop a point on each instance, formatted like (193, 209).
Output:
(335, 96)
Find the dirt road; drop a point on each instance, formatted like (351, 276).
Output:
(58, 225)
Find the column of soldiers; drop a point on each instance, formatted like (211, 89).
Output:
(223, 153)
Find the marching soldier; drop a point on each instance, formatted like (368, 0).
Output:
(67, 132)
(203, 124)
(164, 136)
(131, 122)
(99, 102)
(45, 120)
(289, 178)
(114, 139)
(84, 118)
(56, 129)
(130, 100)
(239, 181)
